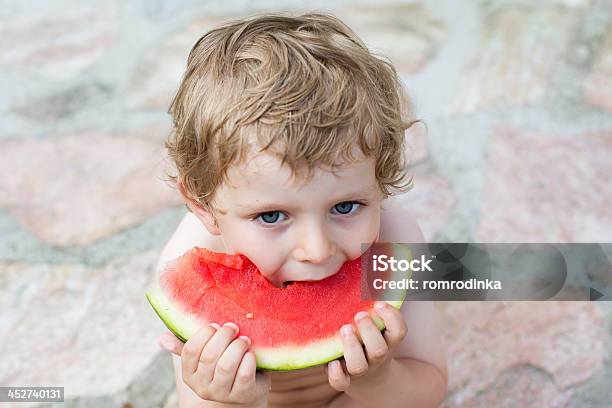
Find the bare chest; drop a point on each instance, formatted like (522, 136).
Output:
(301, 388)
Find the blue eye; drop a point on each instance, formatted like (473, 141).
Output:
(270, 217)
(346, 207)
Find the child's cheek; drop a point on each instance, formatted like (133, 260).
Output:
(360, 242)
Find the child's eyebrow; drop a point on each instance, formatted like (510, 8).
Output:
(357, 195)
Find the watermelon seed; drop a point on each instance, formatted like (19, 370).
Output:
(249, 315)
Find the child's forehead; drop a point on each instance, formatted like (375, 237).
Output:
(265, 170)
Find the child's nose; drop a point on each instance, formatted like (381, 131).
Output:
(313, 245)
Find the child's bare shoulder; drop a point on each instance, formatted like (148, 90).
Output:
(397, 224)
(424, 339)
(189, 233)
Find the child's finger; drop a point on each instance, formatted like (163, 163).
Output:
(375, 344)
(227, 365)
(395, 326)
(356, 363)
(213, 350)
(171, 343)
(190, 355)
(245, 375)
(338, 379)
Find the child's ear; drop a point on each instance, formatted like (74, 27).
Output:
(203, 213)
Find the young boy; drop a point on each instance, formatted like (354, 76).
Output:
(288, 138)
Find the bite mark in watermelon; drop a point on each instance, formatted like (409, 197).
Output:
(290, 328)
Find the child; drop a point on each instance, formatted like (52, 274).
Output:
(288, 138)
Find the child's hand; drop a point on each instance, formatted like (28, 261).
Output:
(217, 366)
(359, 366)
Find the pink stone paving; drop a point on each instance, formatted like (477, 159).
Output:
(58, 42)
(408, 34)
(484, 340)
(547, 188)
(520, 386)
(80, 188)
(78, 325)
(516, 59)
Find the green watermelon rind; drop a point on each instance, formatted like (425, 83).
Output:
(273, 359)
(285, 358)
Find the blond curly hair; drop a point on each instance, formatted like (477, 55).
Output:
(303, 88)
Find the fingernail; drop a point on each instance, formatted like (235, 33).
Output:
(245, 338)
(361, 315)
(215, 326)
(231, 325)
(380, 305)
(346, 330)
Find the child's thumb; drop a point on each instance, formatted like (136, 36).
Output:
(171, 343)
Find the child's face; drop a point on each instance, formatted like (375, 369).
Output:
(296, 231)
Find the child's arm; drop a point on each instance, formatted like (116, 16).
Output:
(422, 352)
(189, 233)
(406, 367)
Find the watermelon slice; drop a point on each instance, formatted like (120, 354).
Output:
(290, 328)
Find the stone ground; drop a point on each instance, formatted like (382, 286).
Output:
(517, 99)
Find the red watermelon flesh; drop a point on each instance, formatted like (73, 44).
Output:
(291, 327)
